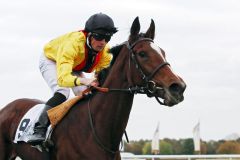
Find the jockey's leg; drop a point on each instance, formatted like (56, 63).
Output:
(49, 71)
(41, 126)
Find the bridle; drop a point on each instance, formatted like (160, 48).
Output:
(149, 88)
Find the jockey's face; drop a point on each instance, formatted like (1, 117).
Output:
(98, 45)
(98, 41)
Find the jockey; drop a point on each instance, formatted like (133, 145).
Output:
(66, 57)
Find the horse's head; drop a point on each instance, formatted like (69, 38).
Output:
(149, 67)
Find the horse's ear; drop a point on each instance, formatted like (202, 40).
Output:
(151, 30)
(135, 27)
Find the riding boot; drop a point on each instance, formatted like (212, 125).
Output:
(41, 126)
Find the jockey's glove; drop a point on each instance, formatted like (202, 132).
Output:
(87, 81)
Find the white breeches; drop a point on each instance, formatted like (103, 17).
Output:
(49, 72)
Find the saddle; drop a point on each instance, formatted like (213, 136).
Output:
(26, 126)
(57, 113)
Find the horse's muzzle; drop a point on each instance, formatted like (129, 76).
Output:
(174, 94)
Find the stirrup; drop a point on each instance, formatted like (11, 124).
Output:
(36, 140)
(38, 136)
(40, 129)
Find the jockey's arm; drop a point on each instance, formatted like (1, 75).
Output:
(67, 53)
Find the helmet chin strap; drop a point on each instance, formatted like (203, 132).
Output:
(91, 50)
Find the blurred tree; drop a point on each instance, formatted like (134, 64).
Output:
(184, 146)
(165, 148)
(135, 147)
(188, 147)
(147, 148)
(203, 147)
(176, 145)
(212, 147)
(229, 147)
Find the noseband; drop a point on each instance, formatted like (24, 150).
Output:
(150, 86)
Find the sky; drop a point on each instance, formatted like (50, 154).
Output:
(201, 40)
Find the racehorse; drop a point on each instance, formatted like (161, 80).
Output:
(94, 126)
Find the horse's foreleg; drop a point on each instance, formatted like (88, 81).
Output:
(6, 150)
(117, 156)
(2, 149)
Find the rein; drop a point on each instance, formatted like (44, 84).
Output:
(95, 134)
(149, 88)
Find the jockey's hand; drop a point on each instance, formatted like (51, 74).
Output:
(95, 83)
(88, 81)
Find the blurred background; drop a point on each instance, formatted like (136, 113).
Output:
(200, 38)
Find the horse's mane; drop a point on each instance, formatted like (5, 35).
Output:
(115, 50)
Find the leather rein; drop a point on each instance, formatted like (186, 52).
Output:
(149, 88)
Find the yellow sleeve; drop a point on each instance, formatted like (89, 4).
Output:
(104, 61)
(67, 52)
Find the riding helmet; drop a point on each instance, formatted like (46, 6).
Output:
(100, 23)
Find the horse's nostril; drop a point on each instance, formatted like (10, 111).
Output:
(177, 88)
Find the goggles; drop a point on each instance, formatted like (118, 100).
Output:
(100, 37)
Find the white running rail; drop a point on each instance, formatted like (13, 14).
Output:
(183, 157)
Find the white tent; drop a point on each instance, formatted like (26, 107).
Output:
(155, 141)
(196, 137)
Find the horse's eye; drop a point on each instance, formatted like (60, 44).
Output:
(142, 54)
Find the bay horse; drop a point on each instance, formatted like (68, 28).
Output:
(94, 127)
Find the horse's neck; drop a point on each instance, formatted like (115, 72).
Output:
(115, 106)
(118, 79)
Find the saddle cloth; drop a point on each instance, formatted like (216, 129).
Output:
(26, 126)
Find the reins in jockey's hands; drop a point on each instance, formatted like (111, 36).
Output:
(89, 81)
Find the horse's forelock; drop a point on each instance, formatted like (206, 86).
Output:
(134, 38)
